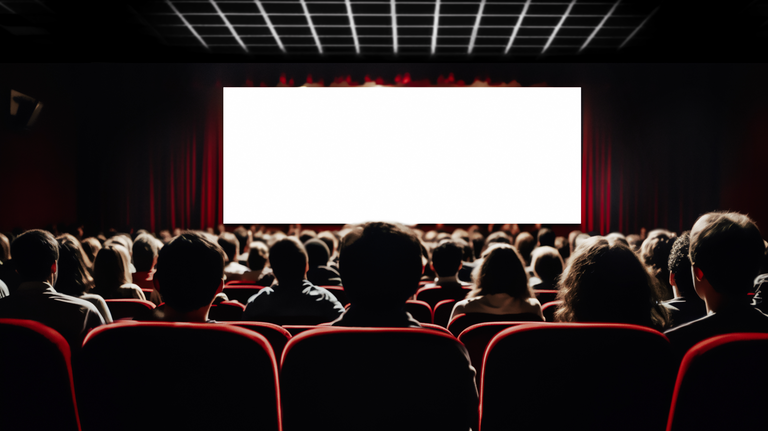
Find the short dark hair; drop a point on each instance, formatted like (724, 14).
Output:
(562, 246)
(144, 252)
(307, 235)
(446, 258)
(680, 265)
(501, 271)
(190, 269)
(728, 249)
(330, 240)
(524, 243)
(288, 259)
(317, 252)
(546, 237)
(258, 256)
(229, 244)
(380, 265)
(242, 238)
(34, 252)
(547, 263)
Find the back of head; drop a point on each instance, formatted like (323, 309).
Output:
(477, 241)
(288, 259)
(446, 258)
(242, 239)
(91, 246)
(635, 241)
(617, 237)
(547, 263)
(5, 248)
(501, 271)
(606, 282)
(307, 235)
(562, 246)
(34, 252)
(189, 271)
(73, 277)
(546, 237)
(728, 248)
(229, 244)
(680, 265)
(258, 256)
(330, 240)
(111, 268)
(144, 252)
(380, 265)
(525, 244)
(318, 252)
(122, 239)
(572, 239)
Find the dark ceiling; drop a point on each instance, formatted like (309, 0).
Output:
(383, 30)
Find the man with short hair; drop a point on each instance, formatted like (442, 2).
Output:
(446, 263)
(231, 246)
(686, 306)
(293, 297)
(725, 250)
(36, 254)
(144, 259)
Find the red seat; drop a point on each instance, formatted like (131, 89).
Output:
(460, 322)
(276, 335)
(575, 377)
(549, 309)
(128, 308)
(442, 312)
(197, 365)
(434, 295)
(36, 389)
(546, 296)
(147, 292)
(721, 385)
(241, 293)
(296, 329)
(436, 328)
(419, 310)
(234, 283)
(226, 311)
(337, 292)
(383, 367)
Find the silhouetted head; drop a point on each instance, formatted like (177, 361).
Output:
(5, 248)
(288, 259)
(680, 265)
(330, 240)
(446, 258)
(562, 246)
(728, 248)
(318, 252)
(380, 265)
(617, 237)
(524, 243)
(189, 272)
(230, 245)
(73, 276)
(112, 268)
(547, 263)
(307, 235)
(144, 252)
(34, 253)
(546, 237)
(501, 271)
(242, 239)
(91, 246)
(258, 256)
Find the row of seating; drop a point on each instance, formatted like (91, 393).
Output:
(533, 377)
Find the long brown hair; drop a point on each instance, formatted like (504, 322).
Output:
(501, 271)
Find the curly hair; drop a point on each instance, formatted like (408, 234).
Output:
(680, 265)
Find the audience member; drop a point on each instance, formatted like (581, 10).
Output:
(293, 296)
(73, 278)
(332, 242)
(617, 236)
(144, 258)
(655, 255)
(686, 306)
(501, 287)
(112, 275)
(258, 257)
(547, 266)
(635, 241)
(606, 282)
(91, 246)
(231, 246)
(8, 274)
(36, 256)
(562, 246)
(761, 283)
(5, 249)
(446, 263)
(319, 272)
(579, 240)
(244, 238)
(381, 265)
(525, 244)
(307, 235)
(545, 237)
(572, 240)
(478, 242)
(467, 260)
(726, 251)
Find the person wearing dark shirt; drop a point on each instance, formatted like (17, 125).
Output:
(293, 297)
(726, 251)
(547, 266)
(319, 272)
(446, 262)
(686, 306)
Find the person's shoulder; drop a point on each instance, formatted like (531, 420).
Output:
(689, 328)
(71, 301)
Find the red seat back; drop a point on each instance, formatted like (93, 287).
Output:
(235, 283)
(226, 311)
(721, 385)
(549, 308)
(442, 312)
(419, 310)
(434, 295)
(614, 376)
(197, 365)
(241, 293)
(460, 322)
(36, 389)
(128, 308)
(296, 329)
(276, 335)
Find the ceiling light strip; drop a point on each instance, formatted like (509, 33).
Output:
(269, 25)
(517, 26)
(229, 26)
(186, 23)
(393, 13)
(435, 26)
(352, 25)
(638, 28)
(559, 24)
(599, 26)
(311, 26)
(476, 27)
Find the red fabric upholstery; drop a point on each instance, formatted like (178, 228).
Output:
(549, 308)
(435, 327)
(226, 311)
(442, 312)
(434, 295)
(36, 387)
(250, 284)
(128, 308)
(419, 310)
(615, 376)
(277, 336)
(296, 329)
(382, 369)
(241, 293)
(721, 385)
(195, 362)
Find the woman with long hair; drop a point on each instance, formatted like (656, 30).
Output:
(73, 277)
(112, 274)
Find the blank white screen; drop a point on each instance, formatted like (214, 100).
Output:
(320, 155)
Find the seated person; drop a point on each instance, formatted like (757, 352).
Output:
(760, 283)
(73, 277)
(501, 288)
(319, 272)
(112, 274)
(258, 257)
(189, 275)
(686, 306)
(144, 258)
(654, 252)
(547, 266)
(293, 298)
(36, 255)
(244, 238)
(606, 283)
(231, 246)
(447, 262)
(381, 265)
(726, 251)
